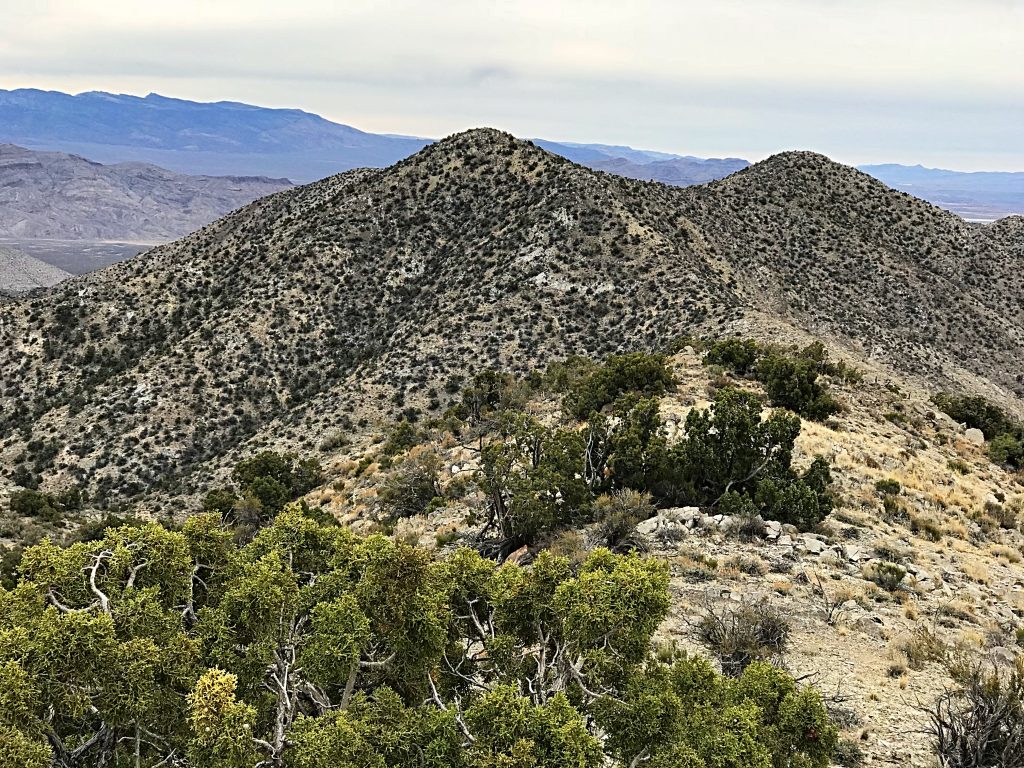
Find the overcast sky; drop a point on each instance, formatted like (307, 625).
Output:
(937, 82)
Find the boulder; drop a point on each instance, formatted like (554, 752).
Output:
(976, 436)
(813, 545)
(853, 554)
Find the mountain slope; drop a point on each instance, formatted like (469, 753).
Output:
(58, 196)
(354, 297)
(19, 272)
(222, 138)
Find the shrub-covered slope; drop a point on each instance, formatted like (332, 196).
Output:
(365, 293)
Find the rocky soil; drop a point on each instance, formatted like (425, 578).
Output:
(880, 655)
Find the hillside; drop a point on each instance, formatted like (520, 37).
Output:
(19, 272)
(230, 138)
(882, 656)
(65, 197)
(332, 307)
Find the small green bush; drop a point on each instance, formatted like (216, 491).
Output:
(738, 355)
(888, 487)
(636, 372)
(889, 576)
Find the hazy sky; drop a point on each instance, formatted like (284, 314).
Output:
(940, 82)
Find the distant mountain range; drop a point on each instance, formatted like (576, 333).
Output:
(222, 138)
(230, 138)
(55, 195)
(981, 195)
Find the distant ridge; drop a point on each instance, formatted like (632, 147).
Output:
(219, 138)
(60, 196)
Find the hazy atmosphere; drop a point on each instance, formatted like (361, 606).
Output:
(938, 83)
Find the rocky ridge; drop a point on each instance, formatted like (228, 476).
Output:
(338, 305)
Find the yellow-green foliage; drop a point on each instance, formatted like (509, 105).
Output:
(308, 647)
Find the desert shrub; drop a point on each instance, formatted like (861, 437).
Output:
(637, 449)
(1005, 434)
(489, 394)
(617, 515)
(534, 479)
(39, 506)
(411, 486)
(263, 485)
(982, 723)
(888, 487)
(849, 754)
(561, 375)
(731, 449)
(96, 529)
(537, 479)
(890, 552)
(959, 466)
(1006, 448)
(926, 527)
(924, 645)
(402, 437)
(889, 576)
(220, 501)
(49, 508)
(635, 372)
(738, 355)
(1004, 514)
(10, 559)
(382, 649)
(694, 565)
(753, 631)
(791, 381)
(976, 412)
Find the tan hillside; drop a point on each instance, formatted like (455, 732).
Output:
(353, 298)
(879, 656)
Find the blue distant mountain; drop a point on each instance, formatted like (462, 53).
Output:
(230, 138)
(221, 138)
(982, 195)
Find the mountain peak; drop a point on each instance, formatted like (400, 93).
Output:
(481, 140)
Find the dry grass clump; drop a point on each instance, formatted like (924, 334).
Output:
(923, 646)
(755, 631)
(751, 565)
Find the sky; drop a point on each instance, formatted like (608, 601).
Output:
(936, 82)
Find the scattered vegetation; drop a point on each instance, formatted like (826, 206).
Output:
(263, 485)
(981, 723)
(790, 377)
(1005, 436)
(754, 631)
(539, 478)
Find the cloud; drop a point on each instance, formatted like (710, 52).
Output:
(864, 80)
